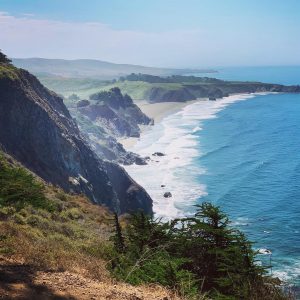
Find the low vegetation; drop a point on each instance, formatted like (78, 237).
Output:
(199, 257)
(4, 59)
(169, 79)
(48, 229)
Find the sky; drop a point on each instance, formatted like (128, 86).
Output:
(166, 33)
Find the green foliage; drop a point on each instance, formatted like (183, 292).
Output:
(19, 188)
(170, 79)
(118, 238)
(4, 59)
(199, 254)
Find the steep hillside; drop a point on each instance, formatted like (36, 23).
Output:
(55, 245)
(37, 129)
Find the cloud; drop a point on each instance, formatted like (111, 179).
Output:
(31, 37)
(28, 15)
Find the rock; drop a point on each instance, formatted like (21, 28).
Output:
(83, 103)
(110, 116)
(167, 195)
(162, 185)
(212, 99)
(158, 154)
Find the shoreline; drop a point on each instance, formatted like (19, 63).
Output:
(156, 111)
(177, 140)
(159, 176)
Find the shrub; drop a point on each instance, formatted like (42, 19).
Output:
(4, 59)
(194, 255)
(18, 188)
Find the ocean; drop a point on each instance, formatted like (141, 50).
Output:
(241, 153)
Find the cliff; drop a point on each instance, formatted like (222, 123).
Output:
(183, 88)
(107, 116)
(116, 113)
(36, 128)
(213, 91)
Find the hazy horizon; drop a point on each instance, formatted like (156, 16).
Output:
(163, 66)
(169, 33)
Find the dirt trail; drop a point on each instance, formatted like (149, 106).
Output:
(19, 281)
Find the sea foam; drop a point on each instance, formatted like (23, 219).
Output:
(176, 137)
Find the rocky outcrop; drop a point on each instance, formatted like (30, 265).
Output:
(116, 113)
(167, 194)
(107, 116)
(83, 103)
(158, 154)
(37, 129)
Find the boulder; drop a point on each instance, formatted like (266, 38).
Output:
(83, 103)
(158, 154)
(167, 195)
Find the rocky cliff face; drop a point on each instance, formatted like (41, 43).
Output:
(116, 113)
(107, 116)
(37, 129)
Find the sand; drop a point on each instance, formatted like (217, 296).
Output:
(157, 111)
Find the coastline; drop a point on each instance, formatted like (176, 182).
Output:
(156, 111)
(175, 135)
(177, 172)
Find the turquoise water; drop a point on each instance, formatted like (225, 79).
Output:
(242, 153)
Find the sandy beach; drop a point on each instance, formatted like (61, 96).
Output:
(157, 111)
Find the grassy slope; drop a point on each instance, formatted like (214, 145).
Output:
(68, 234)
(8, 71)
(71, 235)
(85, 87)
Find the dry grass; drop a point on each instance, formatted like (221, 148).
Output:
(73, 238)
(65, 251)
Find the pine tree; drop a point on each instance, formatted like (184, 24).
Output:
(118, 236)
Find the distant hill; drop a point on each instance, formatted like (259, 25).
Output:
(88, 68)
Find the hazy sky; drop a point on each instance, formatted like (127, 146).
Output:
(173, 33)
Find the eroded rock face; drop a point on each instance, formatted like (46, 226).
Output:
(107, 116)
(116, 113)
(37, 129)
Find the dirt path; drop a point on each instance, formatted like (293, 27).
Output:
(18, 281)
